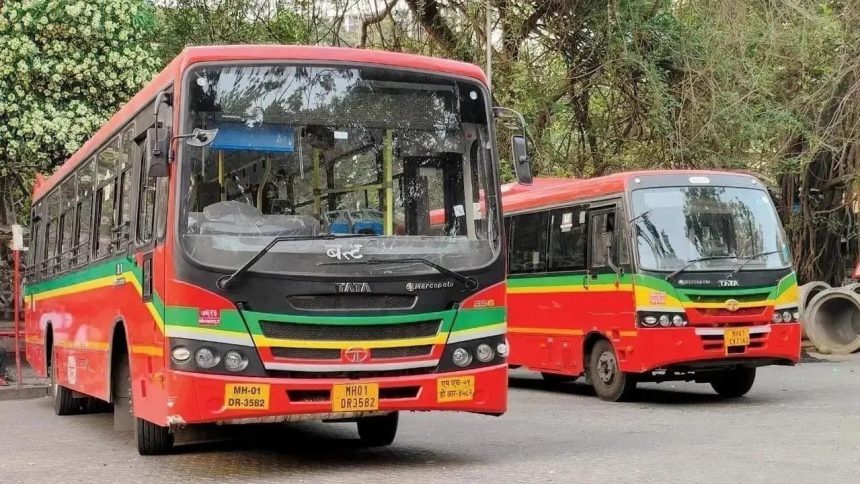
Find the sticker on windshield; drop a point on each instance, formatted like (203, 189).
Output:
(699, 180)
(459, 211)
(341, 135)
(341, 254)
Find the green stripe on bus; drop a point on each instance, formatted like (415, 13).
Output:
(475, 318)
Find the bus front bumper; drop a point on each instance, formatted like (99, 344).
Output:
(196, 398)
(704, 347)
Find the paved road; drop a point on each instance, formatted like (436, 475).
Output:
(798, 424)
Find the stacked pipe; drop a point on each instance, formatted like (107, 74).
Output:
(831, 316)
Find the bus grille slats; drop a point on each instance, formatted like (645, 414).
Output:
(340, 302)
(369, 332)
(721, 298)
(306, 353)
(401, 352)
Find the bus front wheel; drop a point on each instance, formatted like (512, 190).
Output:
(378, 431)
(152, 439)
(610, 383)
(733, 383)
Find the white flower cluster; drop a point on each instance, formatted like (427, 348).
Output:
(65, 67)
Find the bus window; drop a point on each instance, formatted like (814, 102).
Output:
(568, 239)
(528, 243)
(86, 176)
(104, 215)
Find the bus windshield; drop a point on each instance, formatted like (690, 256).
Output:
(723, 226)
(306, 150)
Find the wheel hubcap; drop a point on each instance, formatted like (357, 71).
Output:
(606, 367)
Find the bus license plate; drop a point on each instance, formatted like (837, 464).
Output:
(455, 389)
(737, 337)
(246, 396)
(355, 397)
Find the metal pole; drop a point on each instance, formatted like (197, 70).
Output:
(16, 294)
(489, 42)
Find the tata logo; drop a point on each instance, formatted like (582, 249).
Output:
(733, 305)
(355, 354)
(352, 287)
(728, 283)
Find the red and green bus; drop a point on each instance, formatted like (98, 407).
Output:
(183, 269)
(649, 276)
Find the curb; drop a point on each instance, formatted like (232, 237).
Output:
(25, 392)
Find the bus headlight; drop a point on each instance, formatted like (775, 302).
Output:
(235, 361)
(677, 320)
(484, 353)
(777, 318)
(181, 354)
(461, 357)
(502, 349)
(205, 358)
(649, 321)
(786, 316)
(665, 321)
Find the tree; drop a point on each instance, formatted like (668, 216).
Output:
(65, 67)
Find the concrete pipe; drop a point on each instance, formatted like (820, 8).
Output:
(833, 323)
(807, 292)
(853, 287)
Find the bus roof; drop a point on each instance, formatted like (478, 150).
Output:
(193, 55)
(547, 192)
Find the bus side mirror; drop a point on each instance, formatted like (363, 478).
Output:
(156, 152)
(522, 165)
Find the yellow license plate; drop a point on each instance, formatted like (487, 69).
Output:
(355, 397)
(737, 337)
(455, 389)
(246, 396)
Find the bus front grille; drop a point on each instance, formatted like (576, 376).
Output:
(334, 354)
(334, 332)
(360, 302)
(306, 353)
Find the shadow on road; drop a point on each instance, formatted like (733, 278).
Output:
(645, 394)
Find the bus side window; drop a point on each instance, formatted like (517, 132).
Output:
(67, 221)
(35, 243)
(83, 229)
(528, 243)
(107, 162)
(598, 251)
(568, 239)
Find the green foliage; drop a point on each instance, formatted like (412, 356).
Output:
(198, 22)
(65, 67)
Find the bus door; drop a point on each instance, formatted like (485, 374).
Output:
(434, 183)
(606, 266)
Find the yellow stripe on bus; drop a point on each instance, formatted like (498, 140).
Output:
(84, 345)
(532, 330)
(262, 341)
(149, 350)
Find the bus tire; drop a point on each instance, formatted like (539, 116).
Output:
(733, 383)
(63, 399)
(556, 378)
(378, 431)
(152, 439)
(610, 383)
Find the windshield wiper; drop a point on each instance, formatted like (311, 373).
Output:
(700, 259)
(470, 282)
(747, 260)
(225, 281)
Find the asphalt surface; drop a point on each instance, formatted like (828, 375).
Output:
(798, 424)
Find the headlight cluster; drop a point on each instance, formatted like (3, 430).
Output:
(475, 353)
(786, 315)
(212, 357)
(661, 320)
